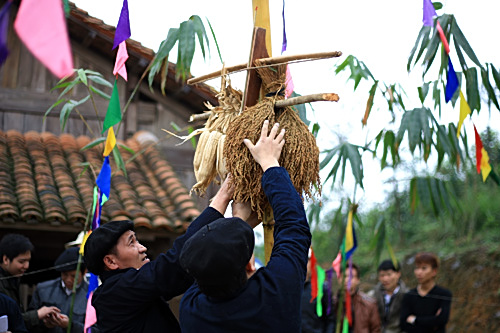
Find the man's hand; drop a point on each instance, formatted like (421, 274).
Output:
(221, 200)
(46, 311)
(267, 150)
(244, 211)
(61, 320)
(411, 319)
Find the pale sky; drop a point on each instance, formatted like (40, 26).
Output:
(380, 33)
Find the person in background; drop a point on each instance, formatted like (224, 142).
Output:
(59, 292)
(15, 253)
(14, 318)
(426, 308)
(389, 293)
(364, 308)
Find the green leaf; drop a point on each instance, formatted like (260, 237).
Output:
(369, 102)
(66, 111)
(119, 160)
(85, 167)
(315, 129)
(186, 48)
(163, 51)
(489, 89)
(424, 36)
(463, 43)
(413, 195)
(69, 87)
(82, 76)
(99, 92)
(431, 52)
(53, 106)
(127, 148)
(193, 139)
(100, 80)
(352, 153)
(199, 29)
(422, 92)
(437, 5)
(472, 88)
(94, 143)
(496, 76)
(301, 109)
(215, 39)
(91, 72)
(61, 85)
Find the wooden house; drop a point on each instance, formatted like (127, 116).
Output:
(46, 186)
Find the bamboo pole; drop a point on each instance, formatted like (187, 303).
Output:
(321, 97)
(271, 61)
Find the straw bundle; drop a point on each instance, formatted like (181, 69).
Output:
(300, 155)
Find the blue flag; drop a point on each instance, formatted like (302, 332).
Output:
(104, 179)
(452, 84)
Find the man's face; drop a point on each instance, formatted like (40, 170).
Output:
(389, 279)
(424, 273)
(17, 266)
(129, 252)
(69, 278)
(354, 281)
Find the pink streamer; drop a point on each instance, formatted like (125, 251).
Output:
(41, 26)
(288, 83)
(336, 264)
(121, 58)
(443, 38)
(90, 314)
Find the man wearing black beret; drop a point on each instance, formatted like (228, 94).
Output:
(134, 291)
(59, 292)
(229, 296)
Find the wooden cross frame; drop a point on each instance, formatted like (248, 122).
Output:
(251, 97)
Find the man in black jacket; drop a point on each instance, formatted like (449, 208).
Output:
(134, 291)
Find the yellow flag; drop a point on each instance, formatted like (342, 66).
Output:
(485, 164)
(464, 111)
(262, 20)
(110, 142)
(85, 237)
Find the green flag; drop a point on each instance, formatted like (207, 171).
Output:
(114, 114)
(321, 280)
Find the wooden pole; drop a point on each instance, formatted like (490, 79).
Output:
(268, 61)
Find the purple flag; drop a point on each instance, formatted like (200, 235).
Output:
(452, 82)
(122, 32)
(429, 13)
(283, 47)
(104, 179)
(4, 26)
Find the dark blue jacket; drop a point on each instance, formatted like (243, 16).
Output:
(135, 300)
(51, 293)
(270, 301)
(9, 308)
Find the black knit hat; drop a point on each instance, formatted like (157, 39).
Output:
(68, 260)
(218, 252)
(101, 241)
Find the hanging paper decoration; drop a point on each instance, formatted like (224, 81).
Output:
(328, 279)
(319, 297)
(482, 158)
(90, 314)
(122, 32)
(113, 114)
(452, 82)
(443, 37)
(4, 27)
(121, 58)
(314, 276)
(283, 46)
(288, 83)
(350, 236)
(104, 179)
(464, 111)
(429, 13)
(336, 264)
(41, 26)
(110, 142)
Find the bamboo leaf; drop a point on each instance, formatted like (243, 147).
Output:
(424, 36)
(163, 51)
(99, 92)
(352, 153)
(82, 76)
(65, 113)
(94, 143)
(100, 80)
(489, 89)
(199, 29)
(69, 87)
(463, 43)
(215, 39)
(496, 75)
(52, 107)
(422, 92)
(369, 102)
(186, 47)
(472, 88)
(119, 160)
(127, 148)
(413, 195)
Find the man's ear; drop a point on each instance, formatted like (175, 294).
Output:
(110, 262)
(5, 260)
(250, 268)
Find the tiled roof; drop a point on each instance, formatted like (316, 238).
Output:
(43, 180)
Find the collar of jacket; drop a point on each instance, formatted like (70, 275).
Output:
(107, 274)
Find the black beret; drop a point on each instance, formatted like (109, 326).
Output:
(101, 241)
(218, 251)
(68, 260)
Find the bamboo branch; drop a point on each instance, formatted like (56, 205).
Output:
(325, 97)
(267, 62)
